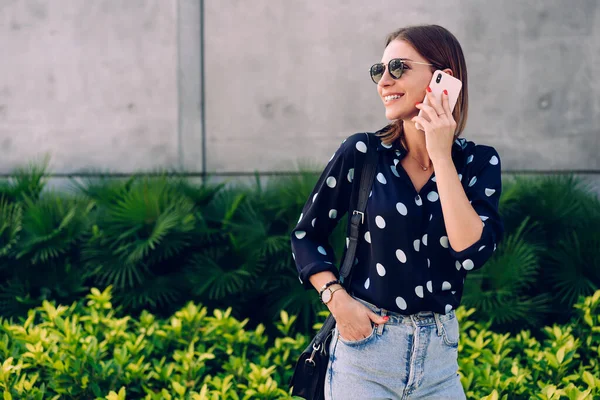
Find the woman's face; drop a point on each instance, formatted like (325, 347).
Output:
(411, 85)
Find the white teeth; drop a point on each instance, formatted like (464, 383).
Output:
(392, 97)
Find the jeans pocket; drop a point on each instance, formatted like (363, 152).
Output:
(356, 342)
(450, 332)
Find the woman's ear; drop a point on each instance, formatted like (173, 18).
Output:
(449, 71)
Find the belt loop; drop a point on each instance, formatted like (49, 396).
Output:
(438, 323)
(380, 326)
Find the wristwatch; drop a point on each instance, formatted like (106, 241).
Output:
(327, 294)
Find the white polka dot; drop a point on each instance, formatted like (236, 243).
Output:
(446, 285)
(481, 248)
(321, 250)
(454, 292)
(367, 283)
(483, 217)
(494, 160)
(419, 291)
(424, 240)
(401, 256)
(428, 263)
(433, 179)
(300, 219)
(448, 308)
(489, 192)
(347, 242)
(381, 178)
(315, 197)
(368, 237)
(460, 177)
(294, 256)
(417, 244)
(401, 208)
(370, 193)
(380, 269)
(332, 213)
(356, 261)
(394, 171)
(387, 146)
(398, 152)
(401, 303)
(468, 264)
(430, 216)
(418, 200)
(396, 161)
(313, 222)
(494, 246)
(300, 234)
(350, 175)
(432, 197)
(444, 241)
(361, 146)
(430, 286)
(331, 182)
(380, 222)
(457, 265)
(470, 158)
(473, 180)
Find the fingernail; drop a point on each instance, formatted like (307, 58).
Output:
(417, 103)
(428, 89)
(445, 92)
(386, 318)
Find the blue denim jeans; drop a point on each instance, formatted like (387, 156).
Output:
(409, 357)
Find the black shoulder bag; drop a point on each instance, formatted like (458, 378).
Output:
(308, 380)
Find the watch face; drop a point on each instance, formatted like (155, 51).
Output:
(326, 295)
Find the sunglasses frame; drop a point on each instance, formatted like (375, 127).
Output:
(387, 67)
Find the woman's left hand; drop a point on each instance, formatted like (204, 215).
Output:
(440, 128)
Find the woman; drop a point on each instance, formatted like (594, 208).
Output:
(432, 216)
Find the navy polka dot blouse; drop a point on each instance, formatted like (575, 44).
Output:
(404, 262)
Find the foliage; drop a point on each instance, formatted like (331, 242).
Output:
(161, 241)
(86, 351)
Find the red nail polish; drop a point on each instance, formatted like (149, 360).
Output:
(428, 89)
(417, 103)
(445, 92)
(386, 318)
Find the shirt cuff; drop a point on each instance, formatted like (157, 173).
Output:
(471, 251)
(315, 268)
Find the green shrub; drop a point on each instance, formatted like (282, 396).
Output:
(86, 351)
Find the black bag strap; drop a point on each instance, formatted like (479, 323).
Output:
(356, 219)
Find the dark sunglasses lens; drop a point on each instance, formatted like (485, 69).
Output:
(396, 68)
(377, 71)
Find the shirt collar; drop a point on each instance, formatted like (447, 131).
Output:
(396, 147)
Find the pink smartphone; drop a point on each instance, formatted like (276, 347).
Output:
(440, 81)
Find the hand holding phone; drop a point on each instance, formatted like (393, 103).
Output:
(441, 81)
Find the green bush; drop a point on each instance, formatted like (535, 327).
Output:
(161, 241)
(86, 351)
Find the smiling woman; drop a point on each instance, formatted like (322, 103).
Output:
(430, 219)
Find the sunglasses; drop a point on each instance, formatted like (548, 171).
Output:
(395, 67)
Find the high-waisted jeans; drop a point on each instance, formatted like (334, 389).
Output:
(409, 357)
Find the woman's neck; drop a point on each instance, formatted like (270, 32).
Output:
(415, 143)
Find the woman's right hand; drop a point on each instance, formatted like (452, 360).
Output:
(353, 319)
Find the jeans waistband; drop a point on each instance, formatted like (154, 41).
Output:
(421, 318)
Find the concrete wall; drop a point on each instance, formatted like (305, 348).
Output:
(116, 85)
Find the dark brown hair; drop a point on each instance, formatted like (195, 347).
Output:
(440, 48)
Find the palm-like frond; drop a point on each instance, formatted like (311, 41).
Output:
(208, 276)
(51, 226)
(507, 278)
(15, 298)
(10, 226)
(155, 292)
(27, 181)
(574, 269)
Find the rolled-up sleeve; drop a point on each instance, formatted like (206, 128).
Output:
(483, 190)
(326, 205)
